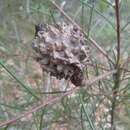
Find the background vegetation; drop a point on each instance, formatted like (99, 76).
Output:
(104, 105)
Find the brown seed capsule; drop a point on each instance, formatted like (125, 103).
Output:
(63, 51)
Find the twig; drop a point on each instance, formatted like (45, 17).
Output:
(54, 100)
(117, 66)
(93, 80)
(118, 30)
(90, 19)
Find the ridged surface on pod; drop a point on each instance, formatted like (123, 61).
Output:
(62, 51)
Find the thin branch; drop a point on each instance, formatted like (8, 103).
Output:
(117, 66)
(118, 30)
(125, 26)
(90, 19)
(82, 16)
(53, 100)
(101, 77)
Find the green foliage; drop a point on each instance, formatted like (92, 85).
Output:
(103, 5)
